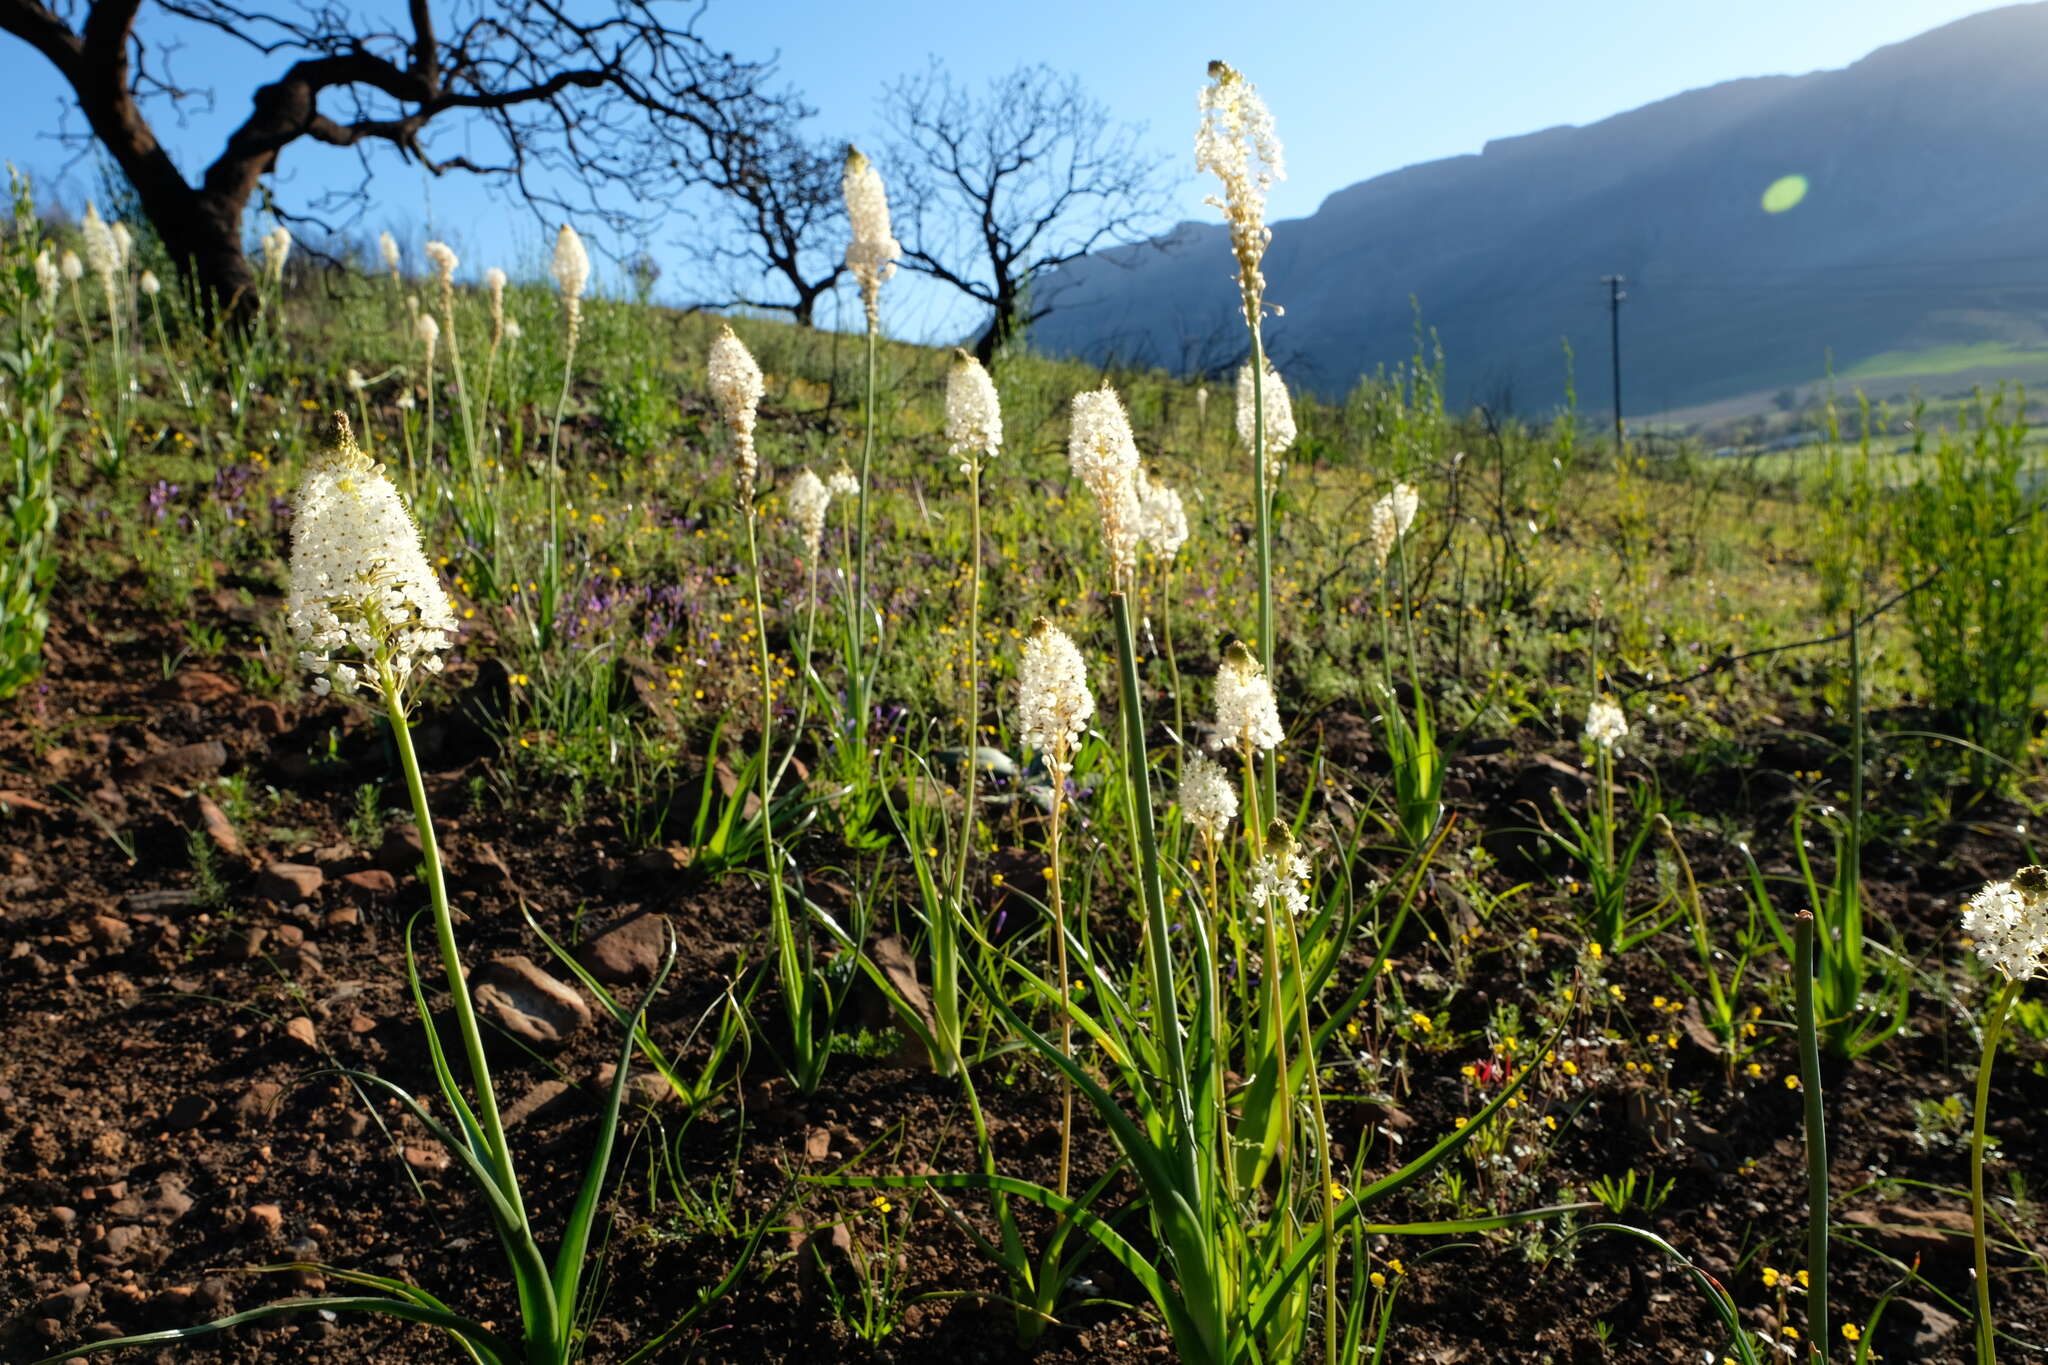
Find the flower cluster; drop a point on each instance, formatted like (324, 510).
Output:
(444, 260)
(809, 498)
(1246, 714)
(102, 253)
(1279, 413)
(1104, 456)
(494, 280)
(872, 253)
(1606, 727)
(387, 247)
(737, 387)
(974, 414)
(1236, 142)
(1390, 519)
(1162, 518)
(2009, 922)
(364, 602)
(1279, 879)
(844, 483)
(571, 269)
(277, 246)
(1208, 800)
(1053, 700)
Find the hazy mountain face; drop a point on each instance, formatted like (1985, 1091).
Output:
(1924, 223)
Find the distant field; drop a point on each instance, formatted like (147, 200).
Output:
(1944, 360)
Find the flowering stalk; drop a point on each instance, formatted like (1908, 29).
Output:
(1054, 705)
(152, 288)
(445, 261)
(429, 332)
(1236, 142)
(2008, 922)
(571, 269)
(974, 435)
(871, 255)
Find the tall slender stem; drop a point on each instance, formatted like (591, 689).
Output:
(1987, 1348)
(1263, 497)
(1059, 938)
(858, 683)
(1817, 1203)
(444, 939)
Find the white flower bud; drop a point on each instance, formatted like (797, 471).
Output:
(444, 260)
(1279, 410)
(1246, 714)
(364, 602)
(1606, 726)
(100, 252)
(1163, 519)
(873, 252)
(1053, 700)
(124, 243)
(736, 386)
(571, 267)
(809, 498)
(149, 284)
(387, 247)
(71, 267)
(1236, 142)
(2009, 923)
(974, 413)
(1104, 455)
(1208, 799)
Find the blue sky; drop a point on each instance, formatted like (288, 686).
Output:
(1356, 88)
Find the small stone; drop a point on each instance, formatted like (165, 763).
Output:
(427, 1158)
(629, 951)
(189, 1112)
(399, 854)
(818, 1144)
(259, 1104)
(528, 1003)
(300, 1031)
(371, 883)
(487, 868)
(185, 764)
(289, 882)
(263, 1220)
(119, 1241)
(533, 1101)
(1934, 1329)
(112, 934)
(64, 1305)
(216, 826)
(344, 917)
(268, 717)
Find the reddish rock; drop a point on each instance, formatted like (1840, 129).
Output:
(112, 934)
(216, 826)
(427, 1158)
(196, 685)
(263, 1220)
(630, 951)
(259, 1105)
(344, 917)
(268, 717)
(289, 882)
(371, 883)
(300, 1031)
(528, 1003)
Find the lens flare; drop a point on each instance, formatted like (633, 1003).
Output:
(1785, 193)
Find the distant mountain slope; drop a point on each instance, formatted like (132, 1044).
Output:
(1925, 225)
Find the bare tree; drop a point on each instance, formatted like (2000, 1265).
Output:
(998, 190)
(604, 111)
(783, 207)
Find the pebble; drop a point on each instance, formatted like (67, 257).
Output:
(287, 882)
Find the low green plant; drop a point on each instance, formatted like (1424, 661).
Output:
(31, 389)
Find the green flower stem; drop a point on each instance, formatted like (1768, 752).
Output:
(2001, 1005)
(1138, 793)
(857, 685)
(500, 1153)
(1263, 496)
(1817, 1202)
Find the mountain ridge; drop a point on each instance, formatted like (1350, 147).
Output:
(1925, 224)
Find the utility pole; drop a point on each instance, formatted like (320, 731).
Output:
(1615, 294)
